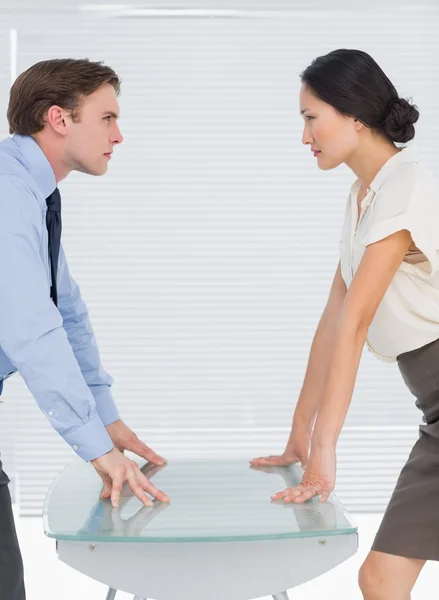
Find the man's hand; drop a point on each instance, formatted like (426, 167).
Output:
(115, 469)
(125, 439)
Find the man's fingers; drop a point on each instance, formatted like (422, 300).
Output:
(141, 449)
(136, 485)
(106, 492)
(151, 489)
(149, 470)
(117, 484)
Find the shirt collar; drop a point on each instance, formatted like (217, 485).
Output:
(37, 163)
(409, 154)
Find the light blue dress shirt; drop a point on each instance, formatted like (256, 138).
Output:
(54, 349)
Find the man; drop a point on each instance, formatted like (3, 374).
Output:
(63, 116)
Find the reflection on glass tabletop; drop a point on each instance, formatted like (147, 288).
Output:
(211, 500)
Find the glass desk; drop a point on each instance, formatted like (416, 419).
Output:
(220, 538)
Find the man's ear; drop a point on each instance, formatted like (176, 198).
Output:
(56, 118)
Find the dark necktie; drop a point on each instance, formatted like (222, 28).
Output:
(53, 222)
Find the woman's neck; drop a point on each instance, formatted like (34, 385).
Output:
(369, 159)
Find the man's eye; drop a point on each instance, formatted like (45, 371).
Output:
(107, 118)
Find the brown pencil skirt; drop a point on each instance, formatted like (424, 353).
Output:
(410, 526)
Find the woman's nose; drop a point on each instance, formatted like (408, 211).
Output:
(307, 138)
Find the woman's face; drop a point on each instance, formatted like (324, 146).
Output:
(335, 136)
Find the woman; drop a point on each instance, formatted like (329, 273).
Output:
(385, 292)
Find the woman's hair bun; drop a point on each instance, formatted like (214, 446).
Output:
(398, 124)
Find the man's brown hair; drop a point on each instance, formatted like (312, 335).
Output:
(64, 82)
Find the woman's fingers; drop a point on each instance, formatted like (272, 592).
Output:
(264, 461)
(283, 494)
(301, 493)
(273, 461)
(324, 495)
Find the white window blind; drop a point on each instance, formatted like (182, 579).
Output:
(206, 253)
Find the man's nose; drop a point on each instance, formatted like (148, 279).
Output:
(117, 137)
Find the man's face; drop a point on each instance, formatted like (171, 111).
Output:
(90, 140)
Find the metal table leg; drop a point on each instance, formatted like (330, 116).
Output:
(111, 594)
(281, 596)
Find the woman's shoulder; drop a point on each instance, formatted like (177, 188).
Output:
(427, 177)
(408, 175)
(410, 185)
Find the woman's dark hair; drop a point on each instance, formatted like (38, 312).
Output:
(353, 83)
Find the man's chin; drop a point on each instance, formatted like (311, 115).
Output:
(96, 172)
(95, 169)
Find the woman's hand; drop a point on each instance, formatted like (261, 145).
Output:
(318, 479)
(297, 450)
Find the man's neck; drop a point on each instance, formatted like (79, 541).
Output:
(53, 154)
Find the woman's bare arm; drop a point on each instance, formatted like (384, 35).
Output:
(320, 354)
(371, 281)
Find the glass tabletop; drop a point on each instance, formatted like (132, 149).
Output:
(211, 500)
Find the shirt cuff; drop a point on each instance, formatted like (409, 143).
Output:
(90, 440)
(105, 405)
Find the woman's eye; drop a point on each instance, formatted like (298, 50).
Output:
(309, 118)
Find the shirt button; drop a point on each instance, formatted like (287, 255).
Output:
(50, 413)
(75, 447)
